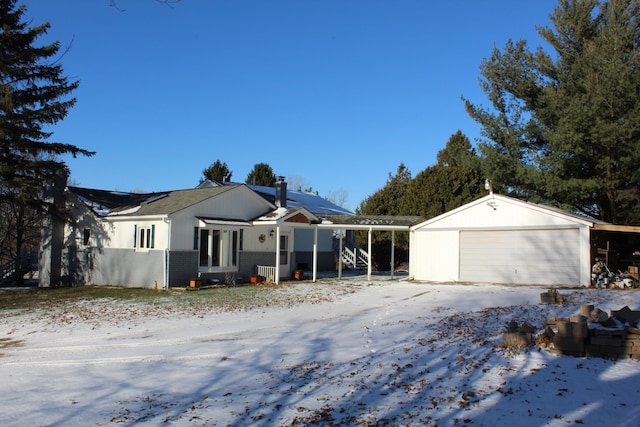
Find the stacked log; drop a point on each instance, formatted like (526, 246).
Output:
(552, 296)
(572, 336)
(613, 345)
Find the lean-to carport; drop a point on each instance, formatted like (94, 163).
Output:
(369, 223)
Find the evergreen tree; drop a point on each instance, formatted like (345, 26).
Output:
(218, 171)
(456, 179)
(565, 126)
(386, 201)
(34, 95)
(262, 174)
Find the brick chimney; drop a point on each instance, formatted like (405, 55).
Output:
(281, 192)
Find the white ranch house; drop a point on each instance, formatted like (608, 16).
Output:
(215, 232)
(229, 232)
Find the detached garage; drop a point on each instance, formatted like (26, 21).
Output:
(498, 239)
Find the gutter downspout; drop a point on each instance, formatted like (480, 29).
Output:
(315, 254)
(277, 278)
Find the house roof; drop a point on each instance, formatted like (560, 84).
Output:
(285, 214)
(115, 203)
(103, 202)
(175, 201)
(301, 199)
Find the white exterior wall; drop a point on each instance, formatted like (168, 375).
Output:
(435, 256)
(304, 240)
(229, 205)
(499, 212)
(121, 231)
(251, 239)
(585, 256)
(101, 232)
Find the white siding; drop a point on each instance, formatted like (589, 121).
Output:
(237, 204)
(121, 236)
(304, 240)
(435, 256)
(252, 243)
(500, 212)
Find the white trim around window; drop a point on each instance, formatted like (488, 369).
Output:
(218, 248)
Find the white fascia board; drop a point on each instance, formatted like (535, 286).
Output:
(497, 197)
(224, 222)
(137, 218)
(363, 227)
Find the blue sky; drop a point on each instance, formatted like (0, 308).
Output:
(335, 93)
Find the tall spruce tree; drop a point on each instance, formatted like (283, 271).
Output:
(218, 171)
(386, 201)
(564, 127)
(261, 174)
(34, 95)
(454, 180)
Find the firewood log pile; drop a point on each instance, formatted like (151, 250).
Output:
(594, 333)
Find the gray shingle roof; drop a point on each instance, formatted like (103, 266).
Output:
(175, 201)
(112, 203)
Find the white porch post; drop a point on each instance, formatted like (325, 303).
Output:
(393, 245)
(315, 253)
(341, 236)
(370, 254)
(277, 278)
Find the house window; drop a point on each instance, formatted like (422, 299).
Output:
(144, 237)
(204, 248)
(86, 236)
(284, 250)
(235, 241)
(215, 248)
(218, 248)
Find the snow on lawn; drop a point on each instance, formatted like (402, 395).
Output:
(386, 353)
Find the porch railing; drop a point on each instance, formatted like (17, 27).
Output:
(8, 270)
(268, 272)
(356, 257)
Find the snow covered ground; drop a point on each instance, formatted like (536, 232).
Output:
(387, 353)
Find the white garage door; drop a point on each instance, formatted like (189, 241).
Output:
(546, 257)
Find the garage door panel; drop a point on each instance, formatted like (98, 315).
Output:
(520, 256)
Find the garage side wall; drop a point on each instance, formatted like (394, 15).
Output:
(435, 255)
